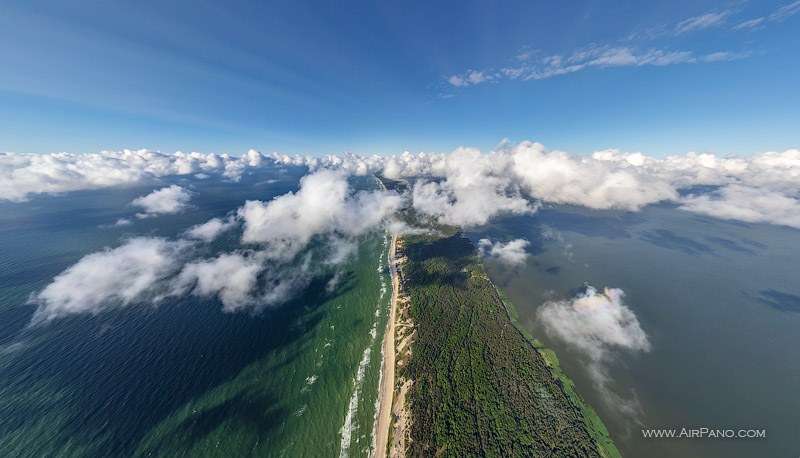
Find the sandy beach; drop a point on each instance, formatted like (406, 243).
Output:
(387, 379)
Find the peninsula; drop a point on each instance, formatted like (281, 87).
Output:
(466, 379)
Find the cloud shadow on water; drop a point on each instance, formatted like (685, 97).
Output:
(672, 241)
(554, 270)
(590, 223)
(606, 224)
(779, 300)
(242, 412)
(729, 244)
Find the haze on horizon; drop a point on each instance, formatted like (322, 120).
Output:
(381, 78)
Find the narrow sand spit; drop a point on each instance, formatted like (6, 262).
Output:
(387, 379)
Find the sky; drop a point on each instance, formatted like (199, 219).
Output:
(322, 77)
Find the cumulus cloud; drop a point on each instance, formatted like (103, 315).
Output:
(211, 229)
(165, 201)
(353, 164)
(597, 324)
(232, 276)
(148, 270)
(464, 188)
(511, 253)
(468, 187)
(464, 206)
(22, 175)
(109, 278)
(562, 178)
(765, 179)
(778, 171)
(743, 203)
(324, 204)
(156, 268)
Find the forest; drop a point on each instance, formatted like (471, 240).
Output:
(482, 386)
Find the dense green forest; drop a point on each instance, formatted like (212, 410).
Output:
(483, 387)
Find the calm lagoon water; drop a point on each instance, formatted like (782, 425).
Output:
(183, 378)
(720, 301)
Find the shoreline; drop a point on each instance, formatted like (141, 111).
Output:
(386, 390)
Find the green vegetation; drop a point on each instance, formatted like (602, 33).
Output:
(482, 385)
(597, 430)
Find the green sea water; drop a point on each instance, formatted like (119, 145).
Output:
(184, 378)
(314, 396)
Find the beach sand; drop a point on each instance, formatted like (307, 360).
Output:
(387, 379)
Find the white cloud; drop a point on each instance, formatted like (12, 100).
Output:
(470, 78)
(339, 249)
(232, 276)
(780, 14)
(562, 178)
(402, 228)
(786, 11)
(742, 203)
(725, 56)
(458, 81)
(466, 187)
(750, 24)
(322, 205)
(154, 268)
(512, 253)
(597, 324)
(108, 278)
(541, 66)
(211, 229)
(777, 171)
(165, 201)
(23, 175)
(351, 163)
(534, 64)
(704, 21)
(468, 205)
(334, 282)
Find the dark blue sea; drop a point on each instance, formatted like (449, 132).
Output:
(183, 377)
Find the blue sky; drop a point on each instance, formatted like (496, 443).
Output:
(383, 77)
